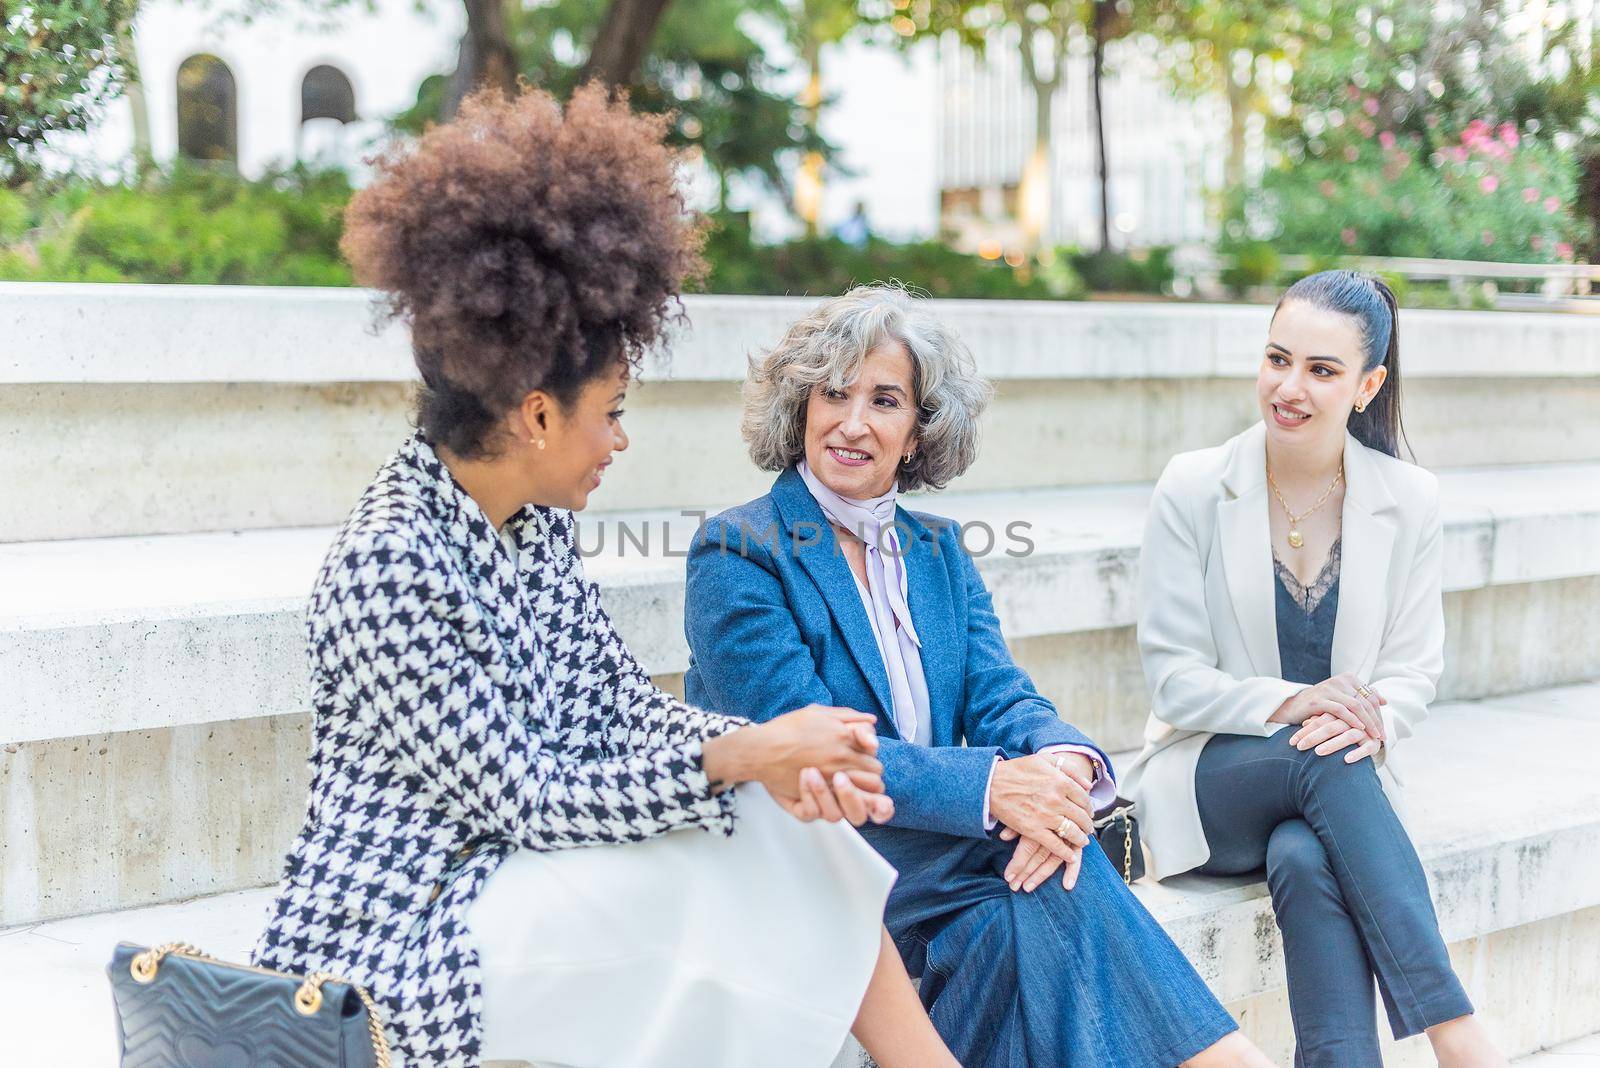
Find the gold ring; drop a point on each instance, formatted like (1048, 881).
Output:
(1061, 828)
(1363, 691)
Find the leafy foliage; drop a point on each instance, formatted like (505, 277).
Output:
(60, 62)
(826, 265)
(703, 66)
(187, 223)
(1484, 194)
(1412, 130)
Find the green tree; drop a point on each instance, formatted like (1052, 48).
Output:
(703, 67)
(1428, 132)
(1232, 49)
(61, 61)
(1041, 32)
(1433, 76)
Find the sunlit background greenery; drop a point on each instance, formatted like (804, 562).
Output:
(1390, 132)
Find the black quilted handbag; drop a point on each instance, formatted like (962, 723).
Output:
(178, 1008)
(1117, 828)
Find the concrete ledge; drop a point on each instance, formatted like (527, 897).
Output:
(1505, 867)
(126, 634)
(79, 333)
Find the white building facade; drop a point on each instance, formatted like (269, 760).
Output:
(1164, 153)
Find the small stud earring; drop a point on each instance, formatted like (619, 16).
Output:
(537, 443)
(1361, 406)
(908, 457)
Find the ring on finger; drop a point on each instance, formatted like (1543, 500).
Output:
(1060, 760)
(1363, 691)
(1061, 828)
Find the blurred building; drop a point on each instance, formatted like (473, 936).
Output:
(1164, 153)
(285, 84)
(934, 140)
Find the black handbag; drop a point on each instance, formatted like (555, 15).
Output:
(178, 1007)
(1117, 828)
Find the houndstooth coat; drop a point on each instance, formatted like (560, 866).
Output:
(466, 705)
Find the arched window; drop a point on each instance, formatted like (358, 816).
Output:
(325, 93)
(208, 110)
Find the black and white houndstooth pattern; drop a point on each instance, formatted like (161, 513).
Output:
(467, 704)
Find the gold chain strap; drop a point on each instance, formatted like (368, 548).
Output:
(307, 999)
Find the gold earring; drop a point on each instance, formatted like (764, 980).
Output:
(1361, 406)
(908, 457)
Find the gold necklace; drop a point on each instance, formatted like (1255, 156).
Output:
(1296, 539)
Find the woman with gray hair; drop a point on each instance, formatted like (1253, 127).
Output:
(826, 590)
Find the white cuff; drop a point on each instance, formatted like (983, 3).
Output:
(1103, 790)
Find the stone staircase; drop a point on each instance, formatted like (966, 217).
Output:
(176, 458)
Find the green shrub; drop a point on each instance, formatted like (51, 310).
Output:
(1146, 270)
(1483, 194)
(821, 266)
(185, 223)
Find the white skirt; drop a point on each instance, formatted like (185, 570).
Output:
(689, 949)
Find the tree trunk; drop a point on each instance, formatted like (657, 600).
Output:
(622, 42)
(1033, 194)
(1238, 126)
(485, 59)
(143, 155)
(1102, 11)
(808, 185)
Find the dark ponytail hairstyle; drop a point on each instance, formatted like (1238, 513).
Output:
(1369, 301)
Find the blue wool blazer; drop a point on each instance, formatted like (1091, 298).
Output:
(774, 622)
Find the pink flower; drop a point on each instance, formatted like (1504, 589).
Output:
(1564, 251)
(1488, 237)
(1458, 153)
(1536, 242)
(1351, 154)
(1348, 236)
(1386, 139)
(1327, 187)
(1508, 134)
(1370, 105)
(1551, 205)
(1476, 130)
(1366, 128)
(1495, 150)
(1529, 194)
(1352, 92)
(1488, 183)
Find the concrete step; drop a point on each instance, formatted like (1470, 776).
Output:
(1515, 873)
(171, 672)
(175, 409)
(1581, 1053)
(121, 634)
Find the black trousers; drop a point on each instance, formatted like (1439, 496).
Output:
(1349, 892)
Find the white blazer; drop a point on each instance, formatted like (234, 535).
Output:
(1208, 635)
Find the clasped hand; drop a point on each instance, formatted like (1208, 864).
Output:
(821, 763)
(1047, 811)
(1336, 714)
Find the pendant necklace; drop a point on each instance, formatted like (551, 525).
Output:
(1296, 539)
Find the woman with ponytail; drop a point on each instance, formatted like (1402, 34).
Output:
(1291, 628)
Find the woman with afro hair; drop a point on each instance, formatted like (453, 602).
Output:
(501, 838)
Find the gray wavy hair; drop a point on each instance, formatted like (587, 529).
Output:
(830, 344)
